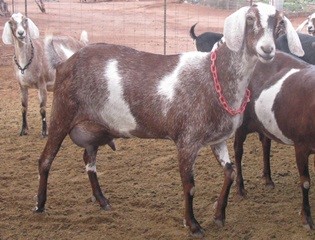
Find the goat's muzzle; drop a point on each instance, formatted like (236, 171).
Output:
(311, 30)
(266, 53)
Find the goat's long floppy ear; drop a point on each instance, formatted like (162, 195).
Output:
(294, 42)
(33, 29)
(301, 26)
(234, 29)
(7, 34)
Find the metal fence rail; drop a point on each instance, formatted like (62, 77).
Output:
(167, 33)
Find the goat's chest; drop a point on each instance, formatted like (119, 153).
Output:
(26, 78)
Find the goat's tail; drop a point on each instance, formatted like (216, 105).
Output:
(59, 48)
(54, 59)
(192, 32)
(84, 38)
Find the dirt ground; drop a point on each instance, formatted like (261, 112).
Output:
(141, 178)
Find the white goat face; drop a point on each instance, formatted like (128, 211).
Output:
(310, 24)
(18, 28)
(18, 24)
(255, 29)
(264, 21)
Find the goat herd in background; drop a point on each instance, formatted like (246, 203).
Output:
(104, 91)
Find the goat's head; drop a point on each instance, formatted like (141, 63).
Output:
(311, 24)
(255, 28)
(19, 28)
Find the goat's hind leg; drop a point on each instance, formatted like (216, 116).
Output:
(266, 145)
(89, 157)
(302, 155)
(44, 163)
(42, 105)
(239, 139)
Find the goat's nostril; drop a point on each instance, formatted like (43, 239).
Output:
(21, 33)
(267, 49)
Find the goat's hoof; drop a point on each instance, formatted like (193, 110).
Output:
(309, 225)
(270, 184)
(44, 133)
(106, 207)
(38, 210)
(219, 222)
(199, 233)
(23, 133)
(241, 193)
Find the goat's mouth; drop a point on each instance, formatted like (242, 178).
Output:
(265, 58)
(21, 38)
(311, 32)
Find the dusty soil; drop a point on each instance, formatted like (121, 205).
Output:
(141, 178)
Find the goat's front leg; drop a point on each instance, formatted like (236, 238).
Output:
(266, 145)
(89, 157)
(222, 155)
(42, 104)
(24, 102)
(302, 154)
(186, 163)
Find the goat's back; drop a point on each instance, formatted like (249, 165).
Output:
(308, 44)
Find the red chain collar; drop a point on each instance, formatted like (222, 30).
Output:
(218, 89)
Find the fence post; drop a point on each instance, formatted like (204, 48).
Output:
(164, 27)
(277, 3)
(25, 1)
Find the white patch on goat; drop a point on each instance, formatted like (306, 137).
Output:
(221, 151)
(90, 167)
(265, 11)
(67, 51)
(17, 17)
(264, 105)
(116, 111)
(192, 191)
(306, 185)
(168, 84)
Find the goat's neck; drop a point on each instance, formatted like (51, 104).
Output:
(234, 72)
(23, 51)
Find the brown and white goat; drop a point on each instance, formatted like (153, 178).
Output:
(108, 91)
(310, 22)
(282, 109)
(31, 65)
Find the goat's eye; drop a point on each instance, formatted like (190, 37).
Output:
(250, 19)
(281, 23)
